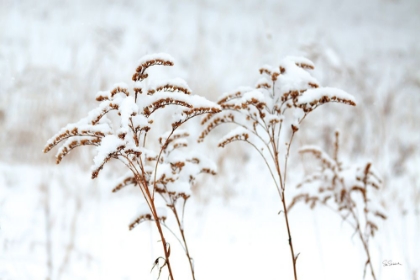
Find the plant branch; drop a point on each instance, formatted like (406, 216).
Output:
(181, 229)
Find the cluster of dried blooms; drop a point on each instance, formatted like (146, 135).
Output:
(262, 108)
(171, 170)
(348, 191)
(271, 112)
(265, 115)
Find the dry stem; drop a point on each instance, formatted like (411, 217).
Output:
(181, 229)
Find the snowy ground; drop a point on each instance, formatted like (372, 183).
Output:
(55, 56)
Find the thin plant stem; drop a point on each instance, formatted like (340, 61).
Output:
(283, 201)
(174, 235)
(365, 244)
(162, 237)
(158, 159)
(256, 134)
(289, 235)
(268, 165)
(181, 229)
(286, 159)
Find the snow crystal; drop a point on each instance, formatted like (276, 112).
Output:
(144, 210)
(106, 94)
(177, 155)
(268, 67)
(163, 169)
(273, 118)
(179, 187)
(201, 102)
(127, 108)
(147, 152)
(156, 56)
(176, 82)
(66, 144)
(246, 97)
(263, 80)
(254, 94)
(237, 131)
(139, 121)
(294, 78)
(109, 144)
(239, 90)
(82, 125)
(120, 85)
(314, 94)
(104, 107)
(299, 60)
(194, 100)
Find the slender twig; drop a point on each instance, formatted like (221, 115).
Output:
(174, 235)
(158, 159)
(268, 165)
(365, 244)
(259, 136)
(181, 229)
(294, 259)
(126, 146)
(162, 236)
(287, 158)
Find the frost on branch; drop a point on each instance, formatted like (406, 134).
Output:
(174, 85)
(143, 214)
(318, 96)
(168, 171)
(272, 111)
(110, 147)
(82, 133)
(125, 180)
(150, 60)
(348, 191)
(262, 109)
(179, 167)
(238, 134)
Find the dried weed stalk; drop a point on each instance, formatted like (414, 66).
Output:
(171, 170)
(271, 112)
(348, 192)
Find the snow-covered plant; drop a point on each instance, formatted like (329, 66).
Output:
(271, 112)
(348, 191)
(164, 166)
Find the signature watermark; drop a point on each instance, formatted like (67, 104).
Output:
(390, 263)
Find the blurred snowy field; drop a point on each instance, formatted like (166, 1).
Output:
(56, 223)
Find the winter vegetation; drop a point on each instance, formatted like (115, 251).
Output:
(346, 190)
(221, 157)
(170, 170)
(263, 117)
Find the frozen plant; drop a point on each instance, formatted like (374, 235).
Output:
(270, 112)
(168, 170)
(348, 191)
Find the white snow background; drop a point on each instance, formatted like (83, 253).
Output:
(57, 223)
